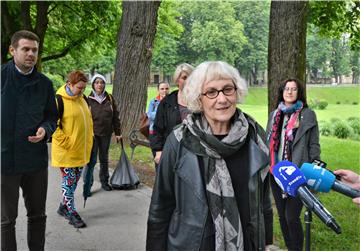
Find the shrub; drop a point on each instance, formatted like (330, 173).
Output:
(342, 130)
(338, 102)
(354, 123)
(318, 104)
(334, 120)
(57, 80)
(322, 105)
(354, 103)
(326, 129)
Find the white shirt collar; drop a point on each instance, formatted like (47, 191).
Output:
(24, 73)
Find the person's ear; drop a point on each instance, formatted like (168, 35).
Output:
(12, 50)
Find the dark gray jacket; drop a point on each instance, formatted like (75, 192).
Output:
(305, 147)
(179, 210)
(27, 103)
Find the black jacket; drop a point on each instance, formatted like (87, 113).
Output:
(25, 108)
(178, 213)
(167, 117)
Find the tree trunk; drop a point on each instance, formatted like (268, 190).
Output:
(287, 45)
(132, 69)
(41, 26)
(355, 67)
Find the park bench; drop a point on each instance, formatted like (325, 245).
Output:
(136, 139)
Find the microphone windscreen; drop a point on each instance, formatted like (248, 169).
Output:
(288, 176)
(318, 178)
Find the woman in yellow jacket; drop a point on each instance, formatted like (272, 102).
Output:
(72, 143)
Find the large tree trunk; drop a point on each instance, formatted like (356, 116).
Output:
(132, 70)
(287, 45)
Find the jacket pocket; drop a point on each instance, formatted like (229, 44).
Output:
(61, 139)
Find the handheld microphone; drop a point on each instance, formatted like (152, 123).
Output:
(292, 181)
(322, 180)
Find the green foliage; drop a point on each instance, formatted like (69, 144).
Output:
(254, 15)
(342, 130)
(210, 34)
(57, 80)
(318, 104)
(165, 53)
(86, 30)
(354, 123)
(335, 18)
(325, 128)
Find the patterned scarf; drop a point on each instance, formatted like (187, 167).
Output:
(198, 137)
(292, 123)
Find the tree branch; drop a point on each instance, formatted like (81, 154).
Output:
(72, 45)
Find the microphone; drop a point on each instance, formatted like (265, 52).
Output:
(323, 180)
(292, 181)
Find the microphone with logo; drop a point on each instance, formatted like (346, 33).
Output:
(323, 180)
(292, 181)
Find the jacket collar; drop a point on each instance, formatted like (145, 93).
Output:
(305, 124)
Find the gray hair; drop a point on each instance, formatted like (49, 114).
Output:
(206, 72)
(187, 68)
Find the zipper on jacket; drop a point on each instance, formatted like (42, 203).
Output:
(86, 129)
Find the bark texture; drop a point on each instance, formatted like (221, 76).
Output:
(132, 69)
(287, 45)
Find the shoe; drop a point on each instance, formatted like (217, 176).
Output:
(106, 187)
(76, 221)
(62, 211)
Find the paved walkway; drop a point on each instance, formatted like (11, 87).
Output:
(116, 220)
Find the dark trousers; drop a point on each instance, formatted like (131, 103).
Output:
(289, 210)
(151, 140)
(34, 189)
(100, 146)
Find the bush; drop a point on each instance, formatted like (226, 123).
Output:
(342, 130)
(354, 123)
(326, 129)
(338, 102)
(334, 120)
(318, 104)
(322, 105)
(57, 80)
(354, 103)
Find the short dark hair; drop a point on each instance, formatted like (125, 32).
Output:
(163, 82)
(76, 76)
(300, 92)
(23, 34)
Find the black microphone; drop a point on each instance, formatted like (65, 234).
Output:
(292, 181)
(323, 180)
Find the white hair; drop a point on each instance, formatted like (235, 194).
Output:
(187, 68)
(206, 72)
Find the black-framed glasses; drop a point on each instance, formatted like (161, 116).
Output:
(213, 93)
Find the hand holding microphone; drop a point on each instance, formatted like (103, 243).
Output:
(352, 179)
(292, 181)
(323, 180)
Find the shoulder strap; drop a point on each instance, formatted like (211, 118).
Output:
(60, 107)
(111, 99)
(86, 99)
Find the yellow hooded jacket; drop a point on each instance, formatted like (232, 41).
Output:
(71, 145)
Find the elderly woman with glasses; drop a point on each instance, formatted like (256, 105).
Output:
(212, 184)
(293, 135)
